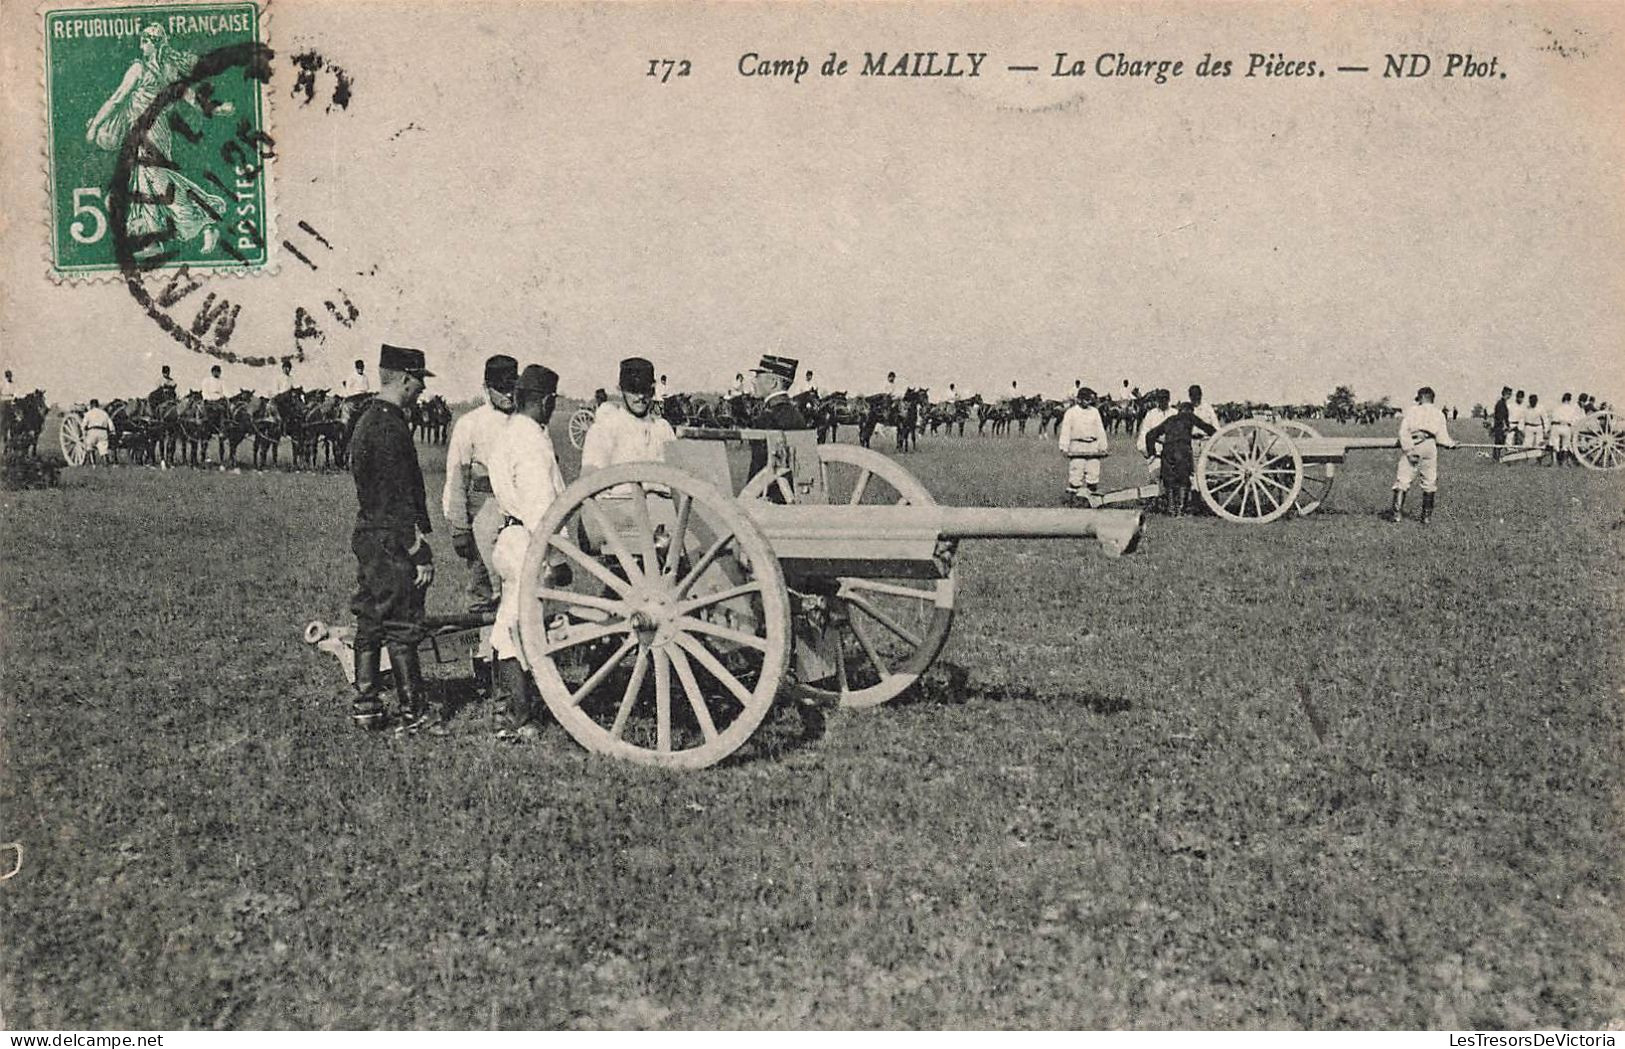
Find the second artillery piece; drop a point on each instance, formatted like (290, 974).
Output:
(664, 606)
(1254, 471)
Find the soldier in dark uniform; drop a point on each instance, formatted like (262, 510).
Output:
(394, 563)
(772, 379)
(1499, 420)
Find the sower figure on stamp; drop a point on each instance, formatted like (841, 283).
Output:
(525, 479)
(1422, 432)
(394, 565)
(1083, 442)
(1172, 440)
(471, 513)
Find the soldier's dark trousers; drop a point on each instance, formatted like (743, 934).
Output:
(388, 608)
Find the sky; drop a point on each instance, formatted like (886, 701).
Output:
(507, 178)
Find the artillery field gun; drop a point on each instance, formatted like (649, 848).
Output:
(748, 564)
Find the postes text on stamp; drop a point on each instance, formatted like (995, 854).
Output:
(132, 114)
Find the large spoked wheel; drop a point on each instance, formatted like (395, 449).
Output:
(1598, 442)
(1317, 477)
(882, 633)
(671, 640)
(1250, 472)
(580, 423)
(71, 439)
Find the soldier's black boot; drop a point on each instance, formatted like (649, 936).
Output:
(1427, 508)
(1397, 511)
(518, 701)
(367, 709)
(412, 696)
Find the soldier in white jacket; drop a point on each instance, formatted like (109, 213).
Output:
(525, 479)
(625, 430)
(1422, 432)
(1083, 442)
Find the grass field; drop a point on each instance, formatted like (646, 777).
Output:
(1322, 773)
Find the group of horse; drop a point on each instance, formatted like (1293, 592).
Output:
(23, 421)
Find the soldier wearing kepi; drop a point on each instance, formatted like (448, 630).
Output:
(394, 563)
(525, 479)
(1422, 432)
(1083, 442)
(626, 430)
(772, 379)
(474, 517)
(466, 497)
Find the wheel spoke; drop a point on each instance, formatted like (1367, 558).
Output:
(1265, 478)
(696, 698)
(711, 554)
(662, 701)
(861, 487)
(597, 677)
(707, 600)
(882, 618)
(679, 534)
(570, 597)
(710, 662)
(738, 637)
(640, 670)
(869, 651)
(646, 530)
(591, 564)
(612, 538)
(876, 586)
(584, 634)
(1230, 482)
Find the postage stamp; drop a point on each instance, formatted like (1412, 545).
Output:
(156, 138)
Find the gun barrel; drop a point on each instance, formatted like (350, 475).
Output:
(1117, 530)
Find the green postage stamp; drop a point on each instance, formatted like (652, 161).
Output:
(156, 140)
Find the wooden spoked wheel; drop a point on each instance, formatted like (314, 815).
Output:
(1250, 472)
(671, 640)
(71, 439)
(883, 633)
(580, 423)
(1599, 444)
(1317, 477)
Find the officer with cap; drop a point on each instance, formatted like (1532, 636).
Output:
(772, 379)
(525, 479)
(625, 429)
(394, 563)
(465, 499)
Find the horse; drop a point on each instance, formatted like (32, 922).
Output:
(906, 417)
(265, 423)
(1049, 415)
(24, 423)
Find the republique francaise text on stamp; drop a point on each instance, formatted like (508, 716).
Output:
(156, 139)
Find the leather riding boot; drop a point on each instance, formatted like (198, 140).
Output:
(367, 709)
(411, 695)
(1397, 511)
(1427, 508)
(518, 700)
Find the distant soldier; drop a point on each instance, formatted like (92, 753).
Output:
(395, 565)
(525, 477)
(891, 386)
(465, 499)
(660, 391)
(626, 430)
(1153, 418)
(166, 384)
(740, 387)
(214, 397)
(1534, 423)
(357, 383)
(8, 393)
(1203, 411)
(284, 381)
(1171, 440)
(1565, 417)
(1501, 423)
(1422, 432)
(1515, 413)
(98, 427)
(1083, 442)
(1013, 391)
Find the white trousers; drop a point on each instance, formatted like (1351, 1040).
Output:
(508, 557)
(1426, 466)
(1082, 472)
(1562, 437)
